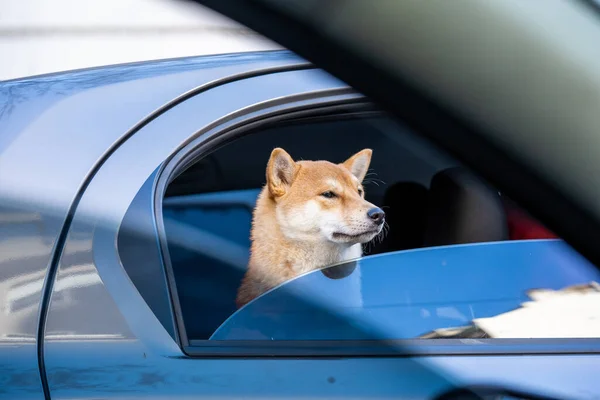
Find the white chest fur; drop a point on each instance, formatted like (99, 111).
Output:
(325, 256)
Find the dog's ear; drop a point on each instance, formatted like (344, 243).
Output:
(358, 164)
(280, 172)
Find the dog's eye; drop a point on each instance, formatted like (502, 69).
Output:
(329, 194)
(360, 192)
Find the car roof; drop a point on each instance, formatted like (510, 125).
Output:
(60, 124)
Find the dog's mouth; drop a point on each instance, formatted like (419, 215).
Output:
(349, 237)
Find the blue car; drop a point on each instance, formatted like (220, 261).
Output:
(126, 200)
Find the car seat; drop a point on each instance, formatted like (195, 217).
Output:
(463, 209)
(405, 209)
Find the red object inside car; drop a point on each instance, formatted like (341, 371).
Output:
(521, 226)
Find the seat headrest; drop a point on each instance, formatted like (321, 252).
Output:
(463, 209)
(405, 206)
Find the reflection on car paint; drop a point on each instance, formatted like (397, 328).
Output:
(53, 129)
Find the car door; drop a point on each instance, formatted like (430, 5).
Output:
(114, 326)
(102, 339)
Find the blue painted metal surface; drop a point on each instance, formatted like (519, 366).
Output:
(116, 369)
(406, 294)
(53, 129)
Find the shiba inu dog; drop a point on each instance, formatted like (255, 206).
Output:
(310, 214)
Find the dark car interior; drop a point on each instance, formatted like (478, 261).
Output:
(429, 200)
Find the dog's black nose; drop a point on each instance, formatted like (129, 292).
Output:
(376, 214)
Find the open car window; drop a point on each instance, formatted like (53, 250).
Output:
(457, 258)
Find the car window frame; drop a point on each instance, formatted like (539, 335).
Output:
(324, 348)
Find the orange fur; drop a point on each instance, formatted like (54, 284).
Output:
(297, 229)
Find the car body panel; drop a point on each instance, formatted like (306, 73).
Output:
(113, 369)
(53, 131)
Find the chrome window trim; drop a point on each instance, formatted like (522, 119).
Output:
(392, 348)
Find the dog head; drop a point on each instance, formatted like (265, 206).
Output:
(320, 200)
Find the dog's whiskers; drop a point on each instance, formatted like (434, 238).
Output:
(376, 182)
(370, 178)
(381, 235)
(378, 239)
